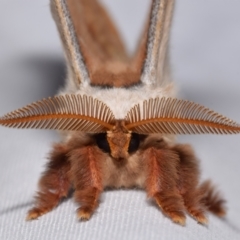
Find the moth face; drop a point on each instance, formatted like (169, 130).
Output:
(119, 142)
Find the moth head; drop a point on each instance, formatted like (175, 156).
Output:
(118, 142)
(119, 137)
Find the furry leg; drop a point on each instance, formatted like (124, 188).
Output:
(87, 180)
(212, 199)
(54, 183)
(188, 182)
(161, 183)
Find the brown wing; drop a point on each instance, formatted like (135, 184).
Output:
(100, 43)
(76, 66)
(96, 53)
(92, 44)
(156, 66)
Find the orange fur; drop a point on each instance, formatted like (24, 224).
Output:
(54, 184)
(86, 178)
(189, 181)
(162, 182)
(169, 174)
(212, 199)
(118, 140)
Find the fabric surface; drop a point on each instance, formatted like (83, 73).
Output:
(205, 55)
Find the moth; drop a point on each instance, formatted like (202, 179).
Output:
(118, 116)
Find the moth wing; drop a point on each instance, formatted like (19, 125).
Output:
(77, 70)
(154, 44)
(90, 39)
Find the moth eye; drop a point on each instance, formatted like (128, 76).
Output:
(134, 143)
(102, 143)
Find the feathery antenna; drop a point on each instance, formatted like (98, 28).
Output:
(173, 116)
(66, 112)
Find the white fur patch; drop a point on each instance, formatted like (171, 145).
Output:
(121, 100)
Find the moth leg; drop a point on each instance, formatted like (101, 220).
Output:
(87, 179)
(54, 183)
(212, 199)
(161, 183)
(189, 181)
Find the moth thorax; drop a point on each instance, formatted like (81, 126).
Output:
(118, 139)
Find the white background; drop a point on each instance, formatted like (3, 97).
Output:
(205, 53)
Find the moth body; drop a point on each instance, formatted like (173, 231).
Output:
(119, 116)
(167, 172)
